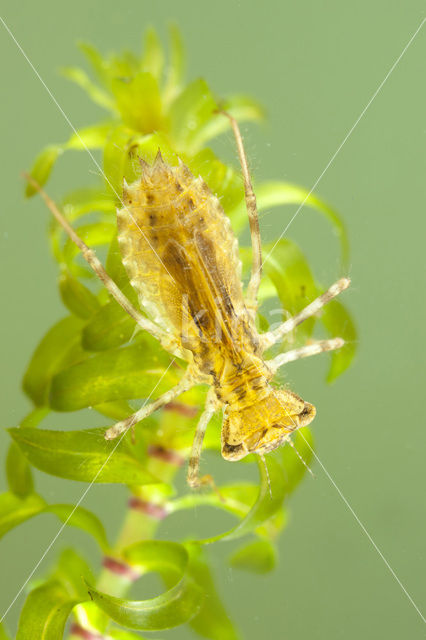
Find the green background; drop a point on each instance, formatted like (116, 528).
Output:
(314, 65)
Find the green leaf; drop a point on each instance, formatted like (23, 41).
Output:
(176, 69)
(129, 372)
(14, 510)
(93, 137)
(18, 472)
(96, 61)
(93, 234)
(95, 93)
(173, 607)
(116, 269)
(242, 108)
(42, 168)
(45, 613)
(272, 194)
(270, 497)
(117, 410)
(213, 621)
(76, 297)
(109, 328)
(115, 155)
(193, 108)
(223, 181)
(82, 455)
(88, 200)
(82, 519)
(258, 557)
(138, 101)
(71, 571)
(61, 344)
(289, 271)
(120, 634)
(153, 59)
(338, 322)
(3, 634)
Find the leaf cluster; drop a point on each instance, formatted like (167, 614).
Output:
(94, 358)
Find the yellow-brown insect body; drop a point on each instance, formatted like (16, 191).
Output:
(182, 259)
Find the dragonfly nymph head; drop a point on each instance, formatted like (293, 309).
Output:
(262, 427)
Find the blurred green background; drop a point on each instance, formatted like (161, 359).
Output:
(314, 65)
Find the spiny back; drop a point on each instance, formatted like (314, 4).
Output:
(180, 253)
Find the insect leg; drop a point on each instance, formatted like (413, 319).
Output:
(256, 269)
(312, 349)
(91, 258)
(193, 475)
(272, 337)
(113, 432)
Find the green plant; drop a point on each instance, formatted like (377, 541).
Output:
(93, 358)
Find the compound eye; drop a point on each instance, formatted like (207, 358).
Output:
(232, 448)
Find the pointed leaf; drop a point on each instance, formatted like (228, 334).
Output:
(258, 557)
(117, 374)
(109, 328)
(242, 108)
(60, 344)
(288, 270)
(115, 155)
(45, 613)
(93, 137)
(223, 181)
(42, 168)
(81, 201)
(189, 113)
(338, 322)
(82, 455)
(3, 634)
(18, 472)
(176, 70)
(138, 101)
(272, 194)
(14, 510)
(98, 64)
(77, 297)
(95, 93)
(153, 58)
